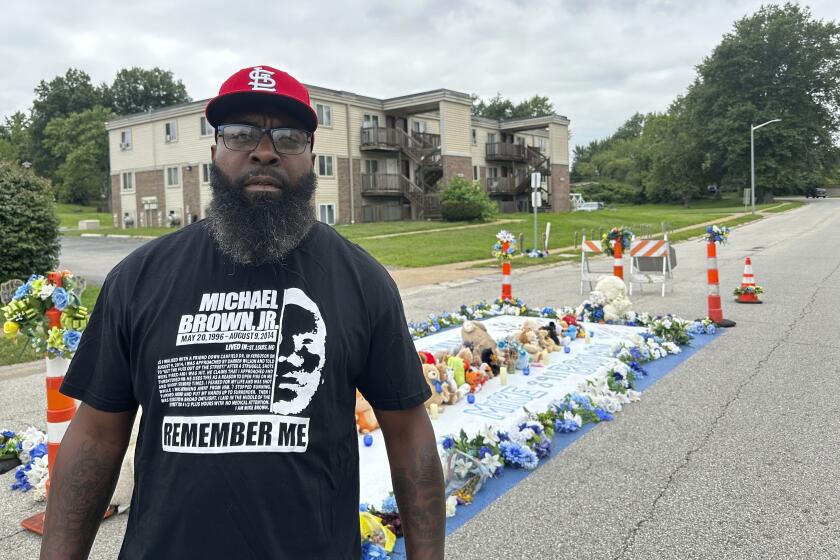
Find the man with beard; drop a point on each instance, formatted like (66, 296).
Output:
(244, 337)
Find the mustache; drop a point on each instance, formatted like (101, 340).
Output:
(281, 177)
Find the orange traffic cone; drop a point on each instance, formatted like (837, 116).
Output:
(748, 292)
(713, 277)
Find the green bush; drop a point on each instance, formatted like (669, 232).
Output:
(464, 200)
(611, 193)
(28, 223)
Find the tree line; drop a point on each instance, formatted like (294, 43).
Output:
(778, 63)
(63, 135)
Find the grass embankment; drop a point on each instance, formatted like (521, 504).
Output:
(18, 350)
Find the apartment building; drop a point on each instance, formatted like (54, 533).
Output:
(376, 159)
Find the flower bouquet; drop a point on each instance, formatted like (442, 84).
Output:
(505, 246)
(751, 290)
(48, 312)
(717, 234)
(614, 235)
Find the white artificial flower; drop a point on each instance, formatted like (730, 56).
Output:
(24, 457)
(492, 462)
(451, 506)
(46, 291)
(490, 434)
(462, 468)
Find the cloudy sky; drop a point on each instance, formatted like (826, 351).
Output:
(598, 61)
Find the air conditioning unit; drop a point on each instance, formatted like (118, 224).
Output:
(168, 137)
(124, 145)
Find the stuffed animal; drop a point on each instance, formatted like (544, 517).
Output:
(458, 370)
(491, 358)
(365, 418)
(551, 331)
(426, 357)
(475, 336)
(617, 305)
(440, 391)
(469, 358)
(529, 339)
(476, 378)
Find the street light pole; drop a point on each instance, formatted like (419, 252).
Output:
(752, 159)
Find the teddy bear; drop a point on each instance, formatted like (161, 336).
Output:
(475, 336)
(617, 304)
(529, 339)
(365, 418)
(440, 390)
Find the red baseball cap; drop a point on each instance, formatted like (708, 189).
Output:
(262, 84)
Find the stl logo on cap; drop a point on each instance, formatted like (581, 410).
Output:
(261, 79)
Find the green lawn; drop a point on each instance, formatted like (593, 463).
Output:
(144, 232)
(70, 214)
(18, 350)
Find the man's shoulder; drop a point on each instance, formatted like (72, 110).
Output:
(164, 250)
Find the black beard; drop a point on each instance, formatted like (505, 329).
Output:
(261, 227)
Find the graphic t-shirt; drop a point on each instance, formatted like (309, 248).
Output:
(246, 377)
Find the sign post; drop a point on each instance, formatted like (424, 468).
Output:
(535, 202)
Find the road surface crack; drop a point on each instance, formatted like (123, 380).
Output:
(631, 535)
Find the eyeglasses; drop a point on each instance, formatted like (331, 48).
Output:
(245, 138)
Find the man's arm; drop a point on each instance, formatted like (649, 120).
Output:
(84, 477)
(417, 477)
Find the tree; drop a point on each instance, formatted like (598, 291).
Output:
(80, 143)
(14, 138)
(28, 223)
(776, 63)
(501, 108)
(136, 89)
(59, 97)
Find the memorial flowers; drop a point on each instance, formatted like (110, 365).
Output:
(30, 448)
(47, 311)
(616, 235)
(505, 246)
(717, 234)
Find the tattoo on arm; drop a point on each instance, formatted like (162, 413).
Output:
(78, 500)
(418, 487)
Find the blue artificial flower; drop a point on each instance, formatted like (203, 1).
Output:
(38, 451)
(71, 339)
(518, 455)
(543, 448)
(503, 436)
(21, 292)
(60, 298)
(372, 551)
(8, 434)
(483, 452)
(637, 367)
(389, 505)
(711, 329)
(598, 314)
(582, 401)
(363, 507)
(565, 426)
(603, 415)
(448, 442)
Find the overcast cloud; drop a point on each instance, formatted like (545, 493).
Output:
(598, 62)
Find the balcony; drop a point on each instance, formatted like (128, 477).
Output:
(504, 185)
(380, 138)
(504, 151)
(382, 184)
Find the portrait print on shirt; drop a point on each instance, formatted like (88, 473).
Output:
(259, 374)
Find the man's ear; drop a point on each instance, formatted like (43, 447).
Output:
(213, 152)
(313, 160)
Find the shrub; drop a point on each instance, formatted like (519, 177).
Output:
(464, 200)
(28, 223)
(611, 193)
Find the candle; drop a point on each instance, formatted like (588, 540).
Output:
(567, 349)
(368, 439)
(433, 410)
(503, 375)
(586, 336)
(471, 398)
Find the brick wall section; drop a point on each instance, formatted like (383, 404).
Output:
(358, 200)
(343, 171)
(455, 165)
(116, 200)
(560, 188)
(150, 183)
(192, 196)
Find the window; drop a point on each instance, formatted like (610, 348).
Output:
(370, 121)
(324, 114)
(205, 173)
(173, 178)
(206, 129)
(419, 126)
(520, 140)
(325, 166)
(543, 145)
(125, 139)
(171, 131)
(474, 137)
(491, 137)
(127, 180)
(371, 166)
(475, 173)
(327, 213)
(493, 173)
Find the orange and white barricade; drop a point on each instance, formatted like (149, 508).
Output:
(651, 263)
(587, 275)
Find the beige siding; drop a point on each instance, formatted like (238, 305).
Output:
(139, 156)
(332, 140)
(478, 149)
(356, 119)
(190, 147)
(559, 143)
(455, 125)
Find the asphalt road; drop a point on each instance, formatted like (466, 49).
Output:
(734, 454)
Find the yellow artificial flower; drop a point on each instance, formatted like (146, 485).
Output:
(11, 329)
(55, 339)
(35, 287)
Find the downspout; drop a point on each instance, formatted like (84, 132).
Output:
(350, 165)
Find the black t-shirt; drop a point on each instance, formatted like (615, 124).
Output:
(246, 376)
